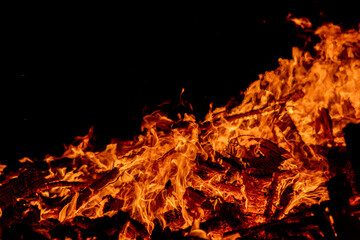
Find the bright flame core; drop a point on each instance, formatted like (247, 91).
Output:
(271, 144)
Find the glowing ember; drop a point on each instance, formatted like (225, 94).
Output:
(261, 161)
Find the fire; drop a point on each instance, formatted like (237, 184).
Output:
(262, 160)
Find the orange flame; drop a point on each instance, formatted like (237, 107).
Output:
(285, 120)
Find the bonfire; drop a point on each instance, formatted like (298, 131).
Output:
(258, 170)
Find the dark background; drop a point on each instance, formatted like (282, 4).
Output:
(107, 66)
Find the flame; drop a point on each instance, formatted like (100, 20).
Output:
(302, 22)
(263, 156)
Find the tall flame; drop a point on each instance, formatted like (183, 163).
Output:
(277, 134)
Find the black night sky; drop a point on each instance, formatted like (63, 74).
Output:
(109, 65)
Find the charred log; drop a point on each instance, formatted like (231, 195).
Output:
(261, 161)
(269, 210)
(303, 225)
(352, 133)
(278, 105)
(110, 226)
(89, 191)
(24, 185)
(346, 226)
(323, 125)
(291, 135)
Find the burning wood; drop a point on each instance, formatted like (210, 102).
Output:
(256, 171)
